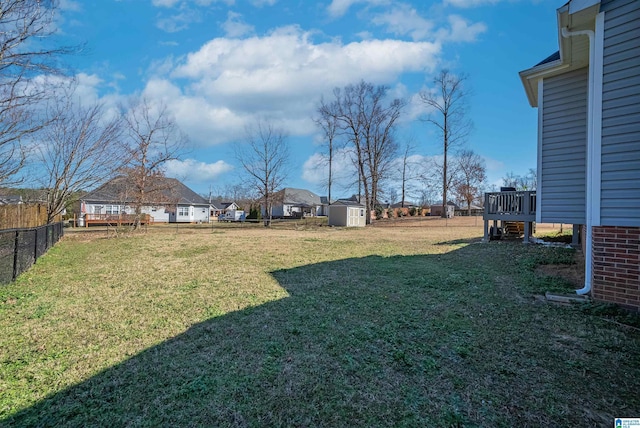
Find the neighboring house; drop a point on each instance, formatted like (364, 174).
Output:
(347, 213)
(10, 200)
(404, 204)
(296, 203)
(463, 210)
(588, 100)
(436, 209)
(324, 207)
(170, 202)
(219, 207)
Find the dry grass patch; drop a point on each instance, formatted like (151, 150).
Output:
(303, 326)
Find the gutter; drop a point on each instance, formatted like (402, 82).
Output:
(590, 155)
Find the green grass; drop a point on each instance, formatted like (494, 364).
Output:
(306, 327)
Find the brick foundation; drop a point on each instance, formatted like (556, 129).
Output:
(616, 265)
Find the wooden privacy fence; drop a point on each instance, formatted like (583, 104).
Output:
(20, 248)
(13, 216)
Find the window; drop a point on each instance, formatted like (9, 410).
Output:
(183, 211)
(112, 209)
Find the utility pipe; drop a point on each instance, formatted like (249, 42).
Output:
(590, 143)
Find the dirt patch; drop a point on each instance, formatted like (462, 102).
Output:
(573, 273)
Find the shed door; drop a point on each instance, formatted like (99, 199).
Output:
(353, 217)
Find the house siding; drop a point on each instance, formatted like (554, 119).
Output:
(563, 148)
(620, 188)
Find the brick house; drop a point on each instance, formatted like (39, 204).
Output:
(587, 95)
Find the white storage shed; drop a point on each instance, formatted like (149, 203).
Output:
(347, 215)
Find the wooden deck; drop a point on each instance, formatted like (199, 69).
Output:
(115, 219)
(503, 208)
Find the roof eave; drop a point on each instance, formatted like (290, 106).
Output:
(531, 76)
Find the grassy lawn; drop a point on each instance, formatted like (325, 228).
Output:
(306, 326)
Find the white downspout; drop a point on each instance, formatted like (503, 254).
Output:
(590, 147)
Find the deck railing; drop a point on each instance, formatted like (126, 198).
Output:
(510, 206)
(116, 218)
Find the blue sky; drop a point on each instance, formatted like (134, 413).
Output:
(220, 65)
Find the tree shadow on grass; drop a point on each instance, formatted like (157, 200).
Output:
(373, 341)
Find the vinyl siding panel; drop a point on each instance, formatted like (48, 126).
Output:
(563, 146)
(620, 189)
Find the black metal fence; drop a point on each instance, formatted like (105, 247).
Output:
(20, 248)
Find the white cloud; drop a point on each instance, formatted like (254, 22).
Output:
(405, 20)
(235, 27)
(261, 3)
(288, 60)
(206, 122)
(179, 21)
(469, 3)
(227, 83)
(315, 170)
(184, 3)
(197, 171)
(461, 30)
(337, 8)
(70, 5)
(164, 3)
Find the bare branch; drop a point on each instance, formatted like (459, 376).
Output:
(448, 99)
(26, 56)
(79, 151)
(264, 158)
(154, 138)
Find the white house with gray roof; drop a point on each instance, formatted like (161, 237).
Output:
(296, 203)
(169, 201)
(588, 100)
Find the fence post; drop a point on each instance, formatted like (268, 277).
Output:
(35, 246)
(15, 256)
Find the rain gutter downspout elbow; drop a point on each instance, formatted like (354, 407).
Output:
(590, 148)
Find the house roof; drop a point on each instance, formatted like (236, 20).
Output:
(221, 205)
(406, 204)
(553, 57)
(300, 197)
(10, 200)
(348, 202)
(165, 190)
(573, 52)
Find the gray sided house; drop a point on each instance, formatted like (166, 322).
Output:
(588, 100)
(296, 203)
(170, 202)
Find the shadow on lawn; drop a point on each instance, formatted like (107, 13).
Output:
(364, 342)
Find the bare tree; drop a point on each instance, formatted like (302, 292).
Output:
(448, 100)
(80, 149)
(329, 126)
(26, 57)
(471, 175)
(408, 170)
(264, 158)
(528, 181)
(368, 125)
(154, 139)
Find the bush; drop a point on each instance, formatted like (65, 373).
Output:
(412, 211)
(254, 213)
(390, 213)
(419, 211)
(379, 212)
